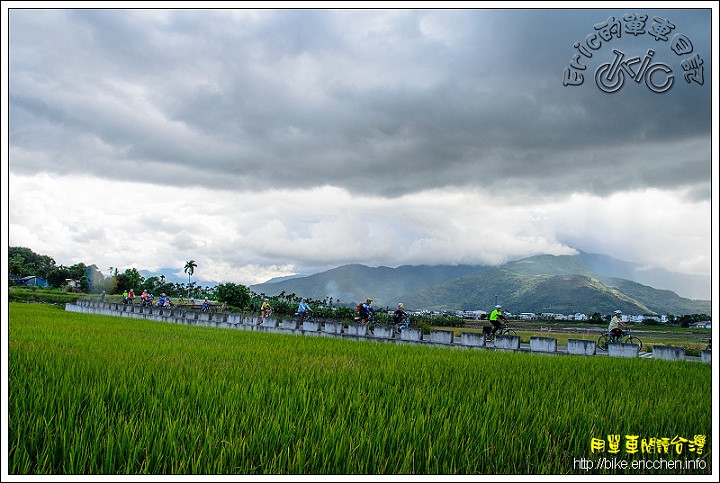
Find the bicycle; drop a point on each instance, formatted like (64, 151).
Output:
(625, 338)
(304, 317)
(503, 330)
(403, 324)
(370, 323)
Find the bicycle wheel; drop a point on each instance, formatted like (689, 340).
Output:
(603, 341)
(508, 332)
(633, 340)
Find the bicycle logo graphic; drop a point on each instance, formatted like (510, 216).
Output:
(610, 77)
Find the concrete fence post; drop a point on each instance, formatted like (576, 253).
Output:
(384, 331)
(333, 327)
(311, 325)
(618, 349)
(543, 344)
(507, 342)
(668, 353)
(581, 347)
(289, 324)
(472, 339)
(412, 334)
(442, 336)
(357, 329)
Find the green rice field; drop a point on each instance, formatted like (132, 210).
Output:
(93, 394)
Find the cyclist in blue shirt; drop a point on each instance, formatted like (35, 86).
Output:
(304, 309)
(366, 310)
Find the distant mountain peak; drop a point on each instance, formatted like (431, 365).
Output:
(540, 283)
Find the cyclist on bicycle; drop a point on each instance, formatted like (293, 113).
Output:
(304, 309)
(366, 311)
(614, 327)
(265, 310)
(399, 316)
(495, 317)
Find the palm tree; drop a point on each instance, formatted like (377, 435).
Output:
(190, 269)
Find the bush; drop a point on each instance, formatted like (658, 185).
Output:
(44, 295)
(441, 321)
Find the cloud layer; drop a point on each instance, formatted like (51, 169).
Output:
(267, 142)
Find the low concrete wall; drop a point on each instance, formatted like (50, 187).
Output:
(335, 328)
(384, 331)
(581, 347)
(234, 319)
(442, 336)
(668, 353)
(507, 342)
(618, 349)
(290, 324)
(472, 339)
(311, 325)
(360, 330)
(412, 334)
(543, 344)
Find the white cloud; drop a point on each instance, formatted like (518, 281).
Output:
(270, 142)
(232, 235)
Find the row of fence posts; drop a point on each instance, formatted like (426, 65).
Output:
(336, 328)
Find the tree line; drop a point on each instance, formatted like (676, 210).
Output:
(90, 279)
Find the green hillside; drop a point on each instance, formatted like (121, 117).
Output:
(350, 284)
(543, 283)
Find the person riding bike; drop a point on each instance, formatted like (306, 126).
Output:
(399, 316)
(265, 309)
(366, 311)
(304, 310)
(495, 317)
(614, 327)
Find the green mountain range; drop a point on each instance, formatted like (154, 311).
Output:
(566, 284)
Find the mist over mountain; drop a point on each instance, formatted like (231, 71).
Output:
(349, 284)
(584, 283)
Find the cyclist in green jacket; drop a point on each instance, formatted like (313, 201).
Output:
(496, 316)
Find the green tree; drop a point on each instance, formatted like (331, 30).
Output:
(232, 294)
(130, 279)
(190, 270)
(57, 278)
(23, 262)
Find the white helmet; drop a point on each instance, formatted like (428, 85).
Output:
(498, 306)
(618, 311)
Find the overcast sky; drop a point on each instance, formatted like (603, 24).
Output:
(265, 143)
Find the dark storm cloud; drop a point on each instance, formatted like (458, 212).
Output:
(385, 102)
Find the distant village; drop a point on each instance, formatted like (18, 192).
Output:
(577, 317)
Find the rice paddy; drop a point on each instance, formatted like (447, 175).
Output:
(94, 394)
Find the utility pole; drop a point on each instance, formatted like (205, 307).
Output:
(496, 300)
